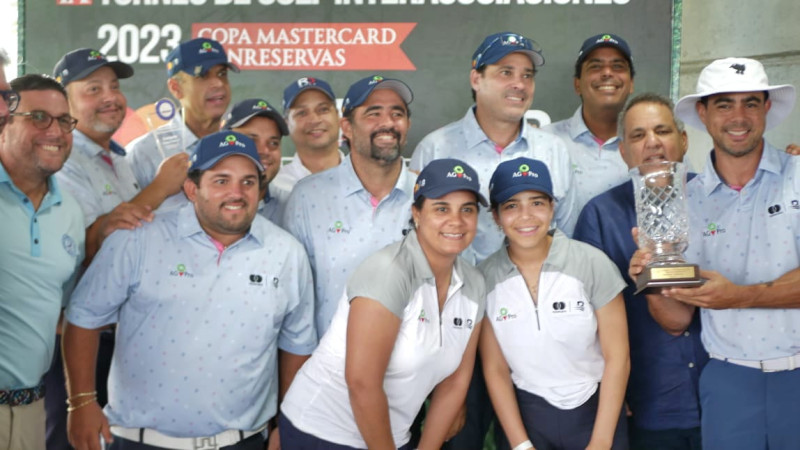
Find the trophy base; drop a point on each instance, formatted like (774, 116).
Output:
(670, 275)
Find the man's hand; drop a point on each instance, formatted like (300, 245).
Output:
(793, 149)
(274, 440)
(171, 173)
(85, 425)
(717, 293)
(126, 216)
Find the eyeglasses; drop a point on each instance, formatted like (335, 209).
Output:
(11, 98)
(42, 120)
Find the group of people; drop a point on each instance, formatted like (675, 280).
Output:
(214, 299)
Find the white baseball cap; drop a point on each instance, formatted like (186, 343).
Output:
(736, 75)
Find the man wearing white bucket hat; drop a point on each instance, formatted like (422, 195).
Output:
(744, 233)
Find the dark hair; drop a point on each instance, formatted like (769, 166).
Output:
(196, 175)
(37, 82)
(579, 62)
(493, 206)
(704, 99)
(647, 97)
(481, 70)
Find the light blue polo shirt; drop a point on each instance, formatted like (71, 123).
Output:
(41, 253)
(332, 215)
(97, 186)
(198, 331)
(465, 140)
(750, 237)
(596, 168)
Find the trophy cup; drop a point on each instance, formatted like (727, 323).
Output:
(663, 221)
(169, 136)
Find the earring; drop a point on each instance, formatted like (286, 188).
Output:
(416, 224)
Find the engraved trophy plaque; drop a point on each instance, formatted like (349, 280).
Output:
(663, 220)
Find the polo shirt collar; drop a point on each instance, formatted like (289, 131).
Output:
(474, 135)
(52, 197)
(423, 268)
(90, 148)
(770, 162)
(189, 226)
(556, 256)
(352, 184)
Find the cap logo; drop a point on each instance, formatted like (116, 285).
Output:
(261, 105)
(230, 141)
(376, 79)
(608, 38)
(95, 55)
(512, 39)
(739, 68)
(303, 82)
(458, 172)
(207, 48)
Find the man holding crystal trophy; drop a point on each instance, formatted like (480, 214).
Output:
(744, 232)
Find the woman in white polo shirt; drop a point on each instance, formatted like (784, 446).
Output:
(554, 346)
(407, 325)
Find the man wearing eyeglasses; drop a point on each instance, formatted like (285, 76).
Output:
(42, 242)
(492, 131)
(10, 98)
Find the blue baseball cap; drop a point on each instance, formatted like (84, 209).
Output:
(518, 175)
(443, 176)
(361, 89)
(196, 56)
(604, 40)
(79, 64)
(245, 110)
(215, 147)
(301, 85)
(496, 46)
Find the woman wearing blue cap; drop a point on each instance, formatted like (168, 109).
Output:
(554, 346)
(407, 325)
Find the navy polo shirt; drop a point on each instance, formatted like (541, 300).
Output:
(665, 370)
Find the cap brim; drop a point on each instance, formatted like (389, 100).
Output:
(213, 161)
(782, 98)
(398, 87)
(441, 191)
(536, 58)
(516, 188)
(307, 88)
(270, 114)
(121, 70)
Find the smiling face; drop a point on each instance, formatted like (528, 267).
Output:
(651, 135)
(735, 121)
(29, 151)
(313, 122)
(204, 98)
(504, 91)
(98, 103)
(226, 198)
(377, 129)
(267, 136)
(605, 80)
(525, 219)
(446, 225)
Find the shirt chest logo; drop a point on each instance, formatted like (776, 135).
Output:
(181, 271)
(713, 229)
(108, 190)
(422, 317)
(504, 315)
(339, 228)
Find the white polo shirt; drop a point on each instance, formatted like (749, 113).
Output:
(429, 346)
(552, 348)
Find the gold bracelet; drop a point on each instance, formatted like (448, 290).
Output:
(81, 405)
(82, 394)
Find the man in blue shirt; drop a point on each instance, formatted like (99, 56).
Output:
(42, 247)
(603, 80)
(744, 233)
(662, 390)
(344, 214)
(214, 312)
